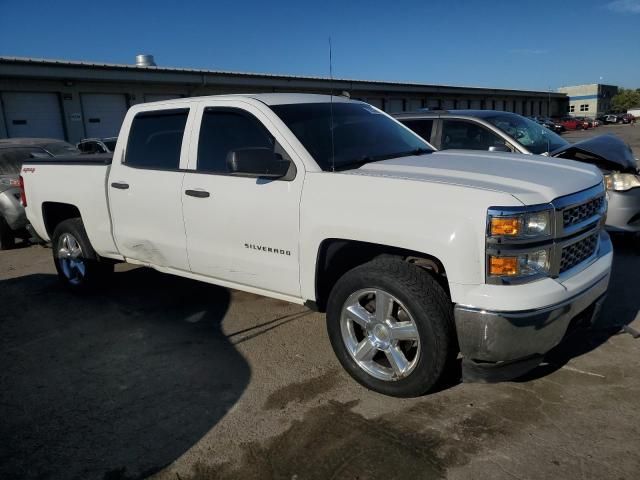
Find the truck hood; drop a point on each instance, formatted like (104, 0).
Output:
(612, 152)
(532, 179)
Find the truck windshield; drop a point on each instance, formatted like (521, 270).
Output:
(531, 135)
(361, 134)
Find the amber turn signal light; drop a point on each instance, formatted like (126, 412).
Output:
(506, 226)
(503, 266)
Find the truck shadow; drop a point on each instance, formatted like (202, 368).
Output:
(620, 309)
(115, 385)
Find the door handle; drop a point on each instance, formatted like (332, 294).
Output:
(197, 193)
(120, 185)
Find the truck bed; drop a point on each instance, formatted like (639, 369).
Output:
(75, 181)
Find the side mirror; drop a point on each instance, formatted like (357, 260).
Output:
(499, 148)
(257, 162)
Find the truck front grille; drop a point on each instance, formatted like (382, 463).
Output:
(578, 252)
(574, 215)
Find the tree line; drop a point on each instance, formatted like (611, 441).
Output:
(626, 99)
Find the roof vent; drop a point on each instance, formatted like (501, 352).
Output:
(145, 61)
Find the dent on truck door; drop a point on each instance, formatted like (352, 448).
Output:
(244, 229)
(145, 191)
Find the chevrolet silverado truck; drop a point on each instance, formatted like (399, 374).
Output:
(415, 255)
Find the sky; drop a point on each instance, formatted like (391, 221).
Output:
(504, 44)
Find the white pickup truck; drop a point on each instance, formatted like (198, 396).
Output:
(415, 255)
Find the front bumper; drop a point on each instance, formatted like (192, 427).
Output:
(624, 211)
(490, 339)
(12, 210)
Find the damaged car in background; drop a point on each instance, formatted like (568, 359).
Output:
(493, 130)
(14, 151)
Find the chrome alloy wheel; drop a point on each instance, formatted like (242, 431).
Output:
(380, 334)
(72, 262)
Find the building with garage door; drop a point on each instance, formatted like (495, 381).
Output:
(75, 100)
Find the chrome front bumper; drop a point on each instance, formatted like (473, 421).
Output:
(518, 340)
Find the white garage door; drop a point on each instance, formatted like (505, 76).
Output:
(395, 105)
(414, 104)
(33, 114)
(103, 113)
(433, 103)
(448, 105)
(157, 97)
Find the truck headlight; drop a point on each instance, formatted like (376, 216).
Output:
(520, 265)
(621, 182)
(522, 225)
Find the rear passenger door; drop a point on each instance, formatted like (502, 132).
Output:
(243, 230)
(145, 188)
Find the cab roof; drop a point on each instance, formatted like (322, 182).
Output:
(271, 98)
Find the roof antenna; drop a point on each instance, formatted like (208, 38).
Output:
(333, 153)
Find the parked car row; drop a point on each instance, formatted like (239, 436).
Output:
(553, 125)
(624, 118)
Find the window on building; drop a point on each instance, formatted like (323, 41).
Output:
(155, 139)
(571, 108)
(584, 107)
(223, 131)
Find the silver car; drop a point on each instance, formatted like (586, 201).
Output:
(13, 151)
(494, 130)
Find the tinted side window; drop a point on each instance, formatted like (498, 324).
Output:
(467, 136)
(421, 127)
(223, 131)
(155, 139)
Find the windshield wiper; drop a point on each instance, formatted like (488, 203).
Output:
(378, 158)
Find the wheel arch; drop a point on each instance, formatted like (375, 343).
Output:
(337, 256)
(53, 213)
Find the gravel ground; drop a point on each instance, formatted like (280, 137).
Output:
(164, 377)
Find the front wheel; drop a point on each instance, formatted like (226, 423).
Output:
(78, 265)
(391, 326)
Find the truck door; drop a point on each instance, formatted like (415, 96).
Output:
(145, 188)
(240, 229)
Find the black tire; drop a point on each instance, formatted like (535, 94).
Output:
(428, 305)
(7, 237)
(96, 269)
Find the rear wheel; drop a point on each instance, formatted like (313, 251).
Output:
(391, 326)
(7, 237)
(78, 265)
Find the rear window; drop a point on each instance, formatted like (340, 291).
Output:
(61, 148)
(155, 139)
(11, 159)
(421, 127)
